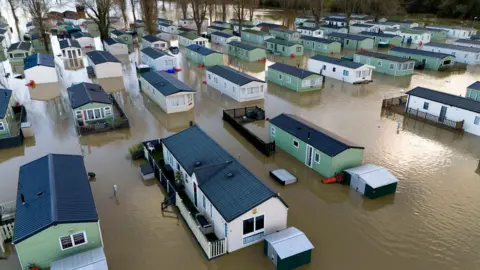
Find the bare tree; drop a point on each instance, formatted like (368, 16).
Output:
(211, 9)
(122, 5)
(317, 8)
(98, 10)
(240, 12)
(381, 7)
(163, 6)
(37, 10)
(224, 9)
(349, 7)
(199, 9)
(132, 4)
(252, 5)
(149, 13)
(184, 6)
(14, 5)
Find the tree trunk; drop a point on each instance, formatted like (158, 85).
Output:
(224, 11)
(184, 10)
(199, 27)
(163, 5)
(16, 24)
(132, 2)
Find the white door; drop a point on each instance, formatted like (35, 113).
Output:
(309, 156)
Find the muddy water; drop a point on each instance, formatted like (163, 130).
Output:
(432, 222)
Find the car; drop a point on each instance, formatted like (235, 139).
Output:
(174, 49)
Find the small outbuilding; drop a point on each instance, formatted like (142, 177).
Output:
(463, 54)
(246, 51)
(188, 38)
(71, 49)
(104, 64)
(284, 47)
(115, 46)
(425, 59)
(371, 180)
(40, 68)
(203, 55)
(93, 259)
(354, 42)
(288, 248)
(321, 45)
(340, 69)
(223, 38)
(154, 42)
(158, 59)
(386, 64)
(293, 78)
(84, 39)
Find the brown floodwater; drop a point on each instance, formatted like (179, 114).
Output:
(432, 222)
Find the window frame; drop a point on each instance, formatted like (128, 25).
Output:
(273, 131)
(315, 157)
(476, 120)
(426, 104)
(73, 240)
(255, 231)
(298, 143)
(2, 128)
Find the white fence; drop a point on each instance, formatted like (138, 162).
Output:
(6, 232)
(212, 249)
(7, 210)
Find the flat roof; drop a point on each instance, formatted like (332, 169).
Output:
(374, 175)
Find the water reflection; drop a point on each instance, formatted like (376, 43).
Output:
(173, 122)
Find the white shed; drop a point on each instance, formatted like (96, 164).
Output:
(223, 38)
(371, 180)
(40, 68)
(84, 39)
(154, 42)
(115, 46)
(343, 70)
(310, 31)
(71, 49)
(235, 84)
(157, 59)
(104, 64)
(89, 260)
(463, 54)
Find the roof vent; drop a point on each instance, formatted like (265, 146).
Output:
(40, 194)
(299, 128)
(198, 163)
(22, 198)
(229, 175)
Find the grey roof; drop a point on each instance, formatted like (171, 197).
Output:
(69, 43)
(362, 25)
(475, 86)
(294, 71)
(100, 57)
(428, 29)
(288, 31)
(420, 52)
(374, 175)
(80, 34)
(317, 39)
(334, 19)
(468, 41)
(151, 38)
(218, 28)
(3, 31)
(86, 93)
(243, 45)
(450, 27)
(331, 26)
(93, 259)
(22, 45)
(111, 41)
(56, 190)
(153, 53)
(289, 242)
(200, 49)
(222, 34)
(281, 42)
(447, 99)
(308, 28)
(270, 25)
(233, 75)
(166, 83)
(117, 32)
(231, 188)
(384, 56)
(374, 34)
(348, 36)
(452, 47)
(5, 95)
(38, 59)
(336, 61)
(321, 139)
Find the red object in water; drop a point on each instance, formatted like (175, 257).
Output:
(201, 66)
(30, 83)
(420, 44)
(33, 267)
(178, 69)
(292, 56)
(204, 82)
(162, 70)
(329, 180)
(262, 60)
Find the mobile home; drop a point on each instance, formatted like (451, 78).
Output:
(158, 59)
(84, 39)
(285, 34)
(115, 46)
(386, 64)
(473, 91)
(255, 36)
(223, 38)
(383, 40)
(429, 60)
(188, 38)
(412, 36)
(204, 56)
(329, 29)
(468, 43)
(321, 45)
(293, 78)
(90, 104)
(246, 51)
(354, 42)
(310, 23)
(466, 55)
(343, 70)
(310, 31)
(17, 52)
(7, 115)
(455, 31)
(212, 29)
(190, 24)
(357, 28)
(127, 37)
(155, 42)
(167, 28)
(404, 24)
(335, 21)
(104, 64)
(437, 35)
(221, 24)
(40, 68)
(284, 47)
(70, 49)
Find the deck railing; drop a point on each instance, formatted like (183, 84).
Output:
(211, 249)
(7, 211)
(6, 233)
(423, 116)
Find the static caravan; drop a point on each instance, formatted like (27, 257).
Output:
(285, 34)
(235, 84)
(245, 25)
(383, 40)
(190, 24)
(321, 45)
(221, 24)
(167, 28)
(104, 64)
(310, 23)
(115, 46)
(163, 20)
(212, 29)
(404, 24)
(325, 152)
(154, 42)
(412, 36)
(335, 21)
(7, 116)
(255, 36)
(284, 47)
(446, 107)
(370, 180)
(386, 64)
(293, 78)
(299, 20)
(265, 27)
(329, 29)
(204, 56)
(17, 52)
(455, 31)
(84, 39)
(158, 59)
(343, 70)
(466, 55)
(354, 42)
(425, 59)
(127, 37)
(473, 91)
(246, 51)
(468, 43)
(382, 26)
(310, 31)
(71, 49)
(288, 249)
(223, 38)
(40, 68)
(188, 38)
(46, 231)
(437, 35)
(357, 28)
(167, 91)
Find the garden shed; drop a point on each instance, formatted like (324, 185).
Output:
(370, 180)
(354, 42)
(203, 55)
(321, 45)
(246, 51)
(284, 47)
(71, 49)
(40, 68)
(223, 38)
(288, 248)
(427, 59)
(115, 46)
